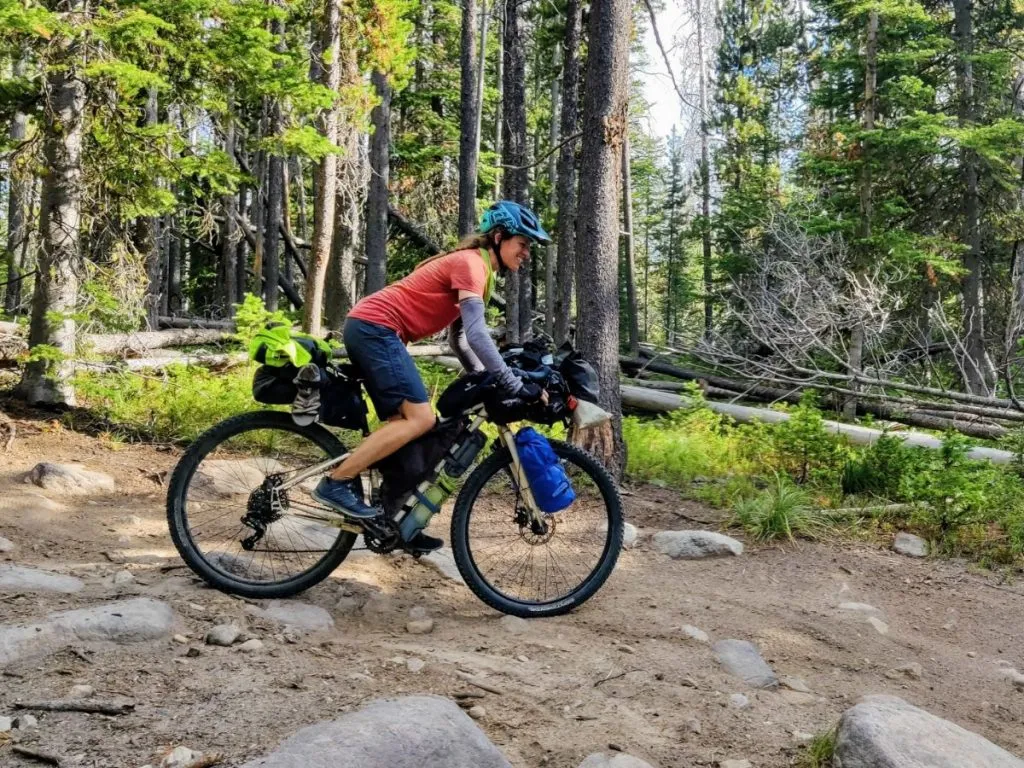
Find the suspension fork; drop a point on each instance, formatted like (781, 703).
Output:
(520, 476)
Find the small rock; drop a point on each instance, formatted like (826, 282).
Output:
(620, 760)
(251, 646)
(880, 626)
(1015, 677)
(690, 545)
(123, 577)
(912, 670)
(179, 757)
(694, 633)
(802, 737)
(15, 578)
(25, 722)
(739, 701)
(627, 648)
(797, 698)
(418, 612)
(420, 627)
(794, 684)
(69, 478)
(6, 545)
(523, 659)
(415, 665)
(477, 712)
(124, 541)
(223, 634)
(294, 614)
(910, 545)
(742, 659)
(734, 764)
(971, 654)
(180, 639)
(81, 692)
(193, 652)
(6, 724)
(693, 725)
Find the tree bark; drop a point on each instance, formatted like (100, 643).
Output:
(633, 322)
(565, 221)
(857, 333)
(551, 254)
(56, 289)
(229, 227)
(18, 194)
(377, 195)
(705, 175)
(499, 121)
(275, 202)
(481, 79)
(341, 278)
(513, 139)
(978, 368)
(468, 119)
(604, 130)
(325, 175)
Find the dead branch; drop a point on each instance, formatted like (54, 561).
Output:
(31, 754)
(90, 707)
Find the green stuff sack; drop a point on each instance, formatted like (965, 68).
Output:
(278, 345)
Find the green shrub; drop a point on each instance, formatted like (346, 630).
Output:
(802, 447)
(882, 469)
(780, 512)
(819, 752)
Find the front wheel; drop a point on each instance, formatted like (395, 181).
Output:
(529, 570)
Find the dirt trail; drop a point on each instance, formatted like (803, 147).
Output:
(619, 671)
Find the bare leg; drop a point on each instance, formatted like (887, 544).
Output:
(413, 420)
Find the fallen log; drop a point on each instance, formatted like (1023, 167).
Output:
(653, 401)
(121, 343)
(195, 322)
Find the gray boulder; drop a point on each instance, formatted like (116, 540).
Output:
(6, 545)
(70, 478)
(14, 578)
(690, 545)
(910, 545)
(617, 760)
(125, 621)
(887, 732)
(742, 659)
(411, 732)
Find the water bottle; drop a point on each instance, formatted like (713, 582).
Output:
(431, 494)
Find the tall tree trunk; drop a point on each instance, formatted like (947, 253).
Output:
(978, 368)
(229, 229)
(1013, 349)
(242, 254)
(147, 235)
(325, 175)
(627, 218)
(855, 354)
(604, 130)
(275, 198)
(705, 174)
(377, 195)
(513, 138)
(565, 221)
(499, 117)
(481, 78)
(45, 380)
(299, 180)
(18, 192)
(551, 254)
(468, 119)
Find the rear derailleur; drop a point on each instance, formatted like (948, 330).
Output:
(266, 506)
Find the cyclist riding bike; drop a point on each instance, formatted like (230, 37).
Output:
(446, 291)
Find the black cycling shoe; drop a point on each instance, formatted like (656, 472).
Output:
(345, 496)
(421, 543)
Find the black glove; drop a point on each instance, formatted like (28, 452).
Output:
(531, 392)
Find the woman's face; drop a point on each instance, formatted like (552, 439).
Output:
(513, 251)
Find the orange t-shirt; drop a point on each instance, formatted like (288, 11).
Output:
(427, 300)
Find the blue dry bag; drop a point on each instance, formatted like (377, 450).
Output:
(551, 487)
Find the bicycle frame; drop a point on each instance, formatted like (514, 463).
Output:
(506, 435)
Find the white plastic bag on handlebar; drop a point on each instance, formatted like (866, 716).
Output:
(588, 415)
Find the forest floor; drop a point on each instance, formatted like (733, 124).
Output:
(619, 671)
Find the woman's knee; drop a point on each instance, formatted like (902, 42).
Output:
(419, 415)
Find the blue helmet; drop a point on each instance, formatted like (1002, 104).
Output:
(515, 219)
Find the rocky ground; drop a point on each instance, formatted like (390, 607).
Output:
(734, 660)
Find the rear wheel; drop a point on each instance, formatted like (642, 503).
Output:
(530, 570)
(231, 524)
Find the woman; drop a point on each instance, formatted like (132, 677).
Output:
(446, 291)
